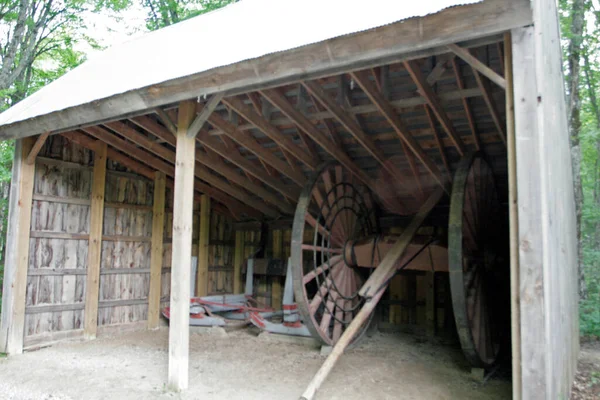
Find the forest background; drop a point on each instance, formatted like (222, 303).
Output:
(40, 40)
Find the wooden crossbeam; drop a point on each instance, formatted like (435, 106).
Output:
(37, 146)
(350, 124)
(164, 117)
(202, 117)
(271, 131)
(279, 100)
(211, 162)
(477, 65)
(435, 104)
(465, 101)
(388, 112)
(219, 192)
(438, 70)
(250, 143)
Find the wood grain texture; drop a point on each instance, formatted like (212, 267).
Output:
(17, 245)
(203, 251)
(181, 252)
(156, 256)
(95, 242)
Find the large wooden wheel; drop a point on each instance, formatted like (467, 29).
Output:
(335, 209)
(473, 263)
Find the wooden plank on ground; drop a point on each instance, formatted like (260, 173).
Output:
(95, 242)
(156, 253)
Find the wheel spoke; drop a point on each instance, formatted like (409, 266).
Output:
(334, 261)
(321, 249)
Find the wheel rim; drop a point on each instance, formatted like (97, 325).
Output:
(472, 253)
(325, 287)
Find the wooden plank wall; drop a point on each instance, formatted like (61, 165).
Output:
(221, 251)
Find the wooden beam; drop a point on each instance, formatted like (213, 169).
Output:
(202, 117)
(238, 260)
(279, 100)
(415, 72)
(466, 107)
(439, 69)
(276, 292)
(388, 112)
(513, 215)
(12, 328)
(491, 104)
(92, 285)
(438, 142)
(246, 165)
(271, 131)
(250, 144)
(166, 120)
(220, 191)
(183, 217)
(478, 65)
(37, 147)
(156, 252)
(350, 124)
(201, 172)
(202, 272)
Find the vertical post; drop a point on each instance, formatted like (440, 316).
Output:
(430, 313)
(203, 242)
(237, 262)
(276, 292)
(156, 253)
(183, 210)
(92, 287)
(17, 250)
(513, 219)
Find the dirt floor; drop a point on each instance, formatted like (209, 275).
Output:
(239, 365)
(587, 381)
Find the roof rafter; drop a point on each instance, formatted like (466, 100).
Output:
(281, 102)
(467, 108)
(271, 131)
(388, 112)
(415, 72)
(216, 165)
(221, 188)
(350, 124)
(477, 65)
(250, 144)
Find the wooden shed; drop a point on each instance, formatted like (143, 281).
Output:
(215, 137)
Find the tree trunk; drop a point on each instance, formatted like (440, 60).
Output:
(574, 61)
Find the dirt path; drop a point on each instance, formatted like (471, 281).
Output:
(241, 366)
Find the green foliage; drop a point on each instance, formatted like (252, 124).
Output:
(161, 13)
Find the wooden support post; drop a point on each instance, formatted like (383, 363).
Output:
(430, 313)
(92, 286)
(156, 254)
(183, 209)
(276, 292)
(17, 250)
(202, 275)
(237, 262)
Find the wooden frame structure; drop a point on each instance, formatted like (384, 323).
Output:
(426, 89)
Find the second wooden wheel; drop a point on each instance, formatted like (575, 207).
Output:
(473, 248)
(336, 209)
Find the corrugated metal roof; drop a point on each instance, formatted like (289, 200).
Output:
(238, 32)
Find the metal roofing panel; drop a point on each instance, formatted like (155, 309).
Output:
(241, 31)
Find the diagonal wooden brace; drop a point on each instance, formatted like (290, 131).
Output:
(373, 289)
